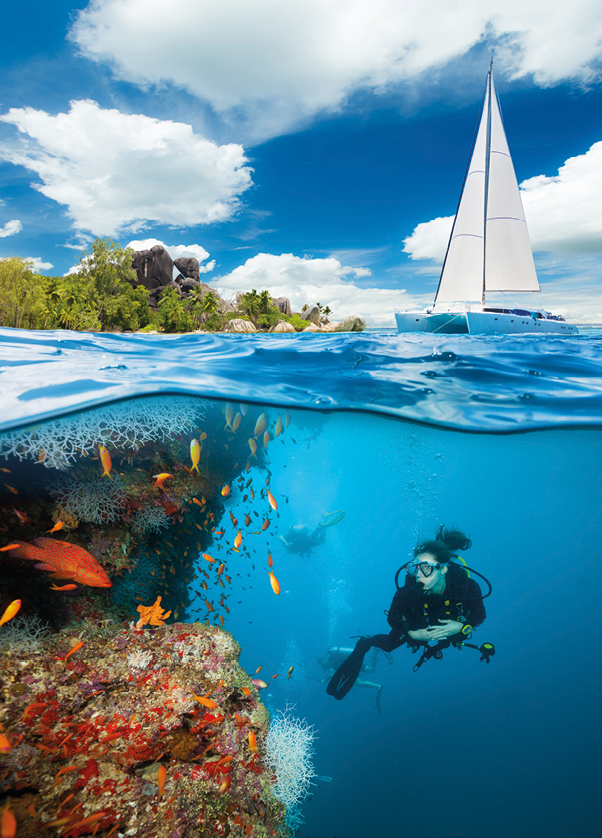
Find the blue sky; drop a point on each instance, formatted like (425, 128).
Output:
(308, 148)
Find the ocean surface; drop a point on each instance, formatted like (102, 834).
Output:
(374, 440)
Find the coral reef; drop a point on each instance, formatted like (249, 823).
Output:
(289, 751)
(150, 519)
(59, 443)
(23, 634)
(153, 732)
(95, 501)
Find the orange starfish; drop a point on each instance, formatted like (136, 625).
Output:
(154, 615)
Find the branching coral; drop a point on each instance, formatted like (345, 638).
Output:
(97, 501)
(58, 443)
(150, 519)
(289, 751)
(23, 634)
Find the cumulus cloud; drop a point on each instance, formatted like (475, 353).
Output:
(39, 264)
(176, 251)
(118, 172)
(282, 61)
(564, 212)
(324, 281)
(11, 228)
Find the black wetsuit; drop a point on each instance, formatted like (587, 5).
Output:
(413, 608)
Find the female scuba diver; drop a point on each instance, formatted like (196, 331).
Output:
(438, 602)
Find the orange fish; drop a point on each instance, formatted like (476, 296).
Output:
(210, 608)
(221, 569)
(66, 587)
(252, 446)
(270, 560)
(246, 690)
(5, 745)
(197, 501)
(252, 493)
(229, 413)
(258, 670)
(226, 491)
(58, 526)
(13, 490)
(271, 501)
(266, 438)
(275, 676)
(8, 824)
(265, 524)
(237, 421)
(73, 649)
(105, 459)
(160, 478)
(238, 540)
(278, 429)
(275, 583)
(23, 518)
(206, 702)
(162, 778)
(5, 470)
(234, 520)
(64, 560)
(9, 547)
(252, 741)
(207, 558)
(247, 520)
(260, 425)
(195, 453)
(11, 611)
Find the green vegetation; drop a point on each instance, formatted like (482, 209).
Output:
(99, 296)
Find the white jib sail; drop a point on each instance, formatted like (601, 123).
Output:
(508, 256)
(462, 275)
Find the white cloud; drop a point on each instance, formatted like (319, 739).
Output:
(176, 251)
(324, 281)
(11, 228)
(118, 172)
(564, 212)
(39, 264)
(275, 62)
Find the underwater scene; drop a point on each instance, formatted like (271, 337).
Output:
(196, 535)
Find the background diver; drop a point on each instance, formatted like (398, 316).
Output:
(438, 602)
(334, 657)
(300, 539)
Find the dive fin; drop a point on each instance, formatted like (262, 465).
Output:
(346, 675)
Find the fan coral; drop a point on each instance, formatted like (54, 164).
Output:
(58, 443)
(289, 751)
(96, 501)
(23, 634)
(150, 519)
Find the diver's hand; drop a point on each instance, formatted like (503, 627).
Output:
(422, 634)
(445, 630)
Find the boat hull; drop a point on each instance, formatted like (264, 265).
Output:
(479, 323)
(442, 324)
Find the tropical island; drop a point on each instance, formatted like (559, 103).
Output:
(113, 289)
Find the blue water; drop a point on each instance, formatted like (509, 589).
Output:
(499, 436)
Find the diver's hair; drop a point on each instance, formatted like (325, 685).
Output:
(445, 544)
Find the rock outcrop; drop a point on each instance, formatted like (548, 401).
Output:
(154, 267)
(188, 267)
(240, 325)
(283, 304)
(283, 326)
(313, 314)
(353, 323)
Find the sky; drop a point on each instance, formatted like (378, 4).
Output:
(316, 149)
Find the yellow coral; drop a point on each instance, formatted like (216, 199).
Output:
(152, 614)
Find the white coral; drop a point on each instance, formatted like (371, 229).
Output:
(289, 752)
(96, 501)
(58, 443)
(140, 659)
(150, 519)
(23, 634)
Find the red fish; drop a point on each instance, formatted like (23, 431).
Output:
(63, 560)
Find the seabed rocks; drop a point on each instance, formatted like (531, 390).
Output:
(89, 735)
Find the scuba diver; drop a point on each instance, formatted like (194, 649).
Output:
(335, 657)
(299, 539)
(438, 602)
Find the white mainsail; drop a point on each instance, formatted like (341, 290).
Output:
(489, 248)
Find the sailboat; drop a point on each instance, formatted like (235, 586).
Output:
(489, 249)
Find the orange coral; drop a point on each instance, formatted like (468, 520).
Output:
(154, 615)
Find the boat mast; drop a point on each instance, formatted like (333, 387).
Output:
(487, 165)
